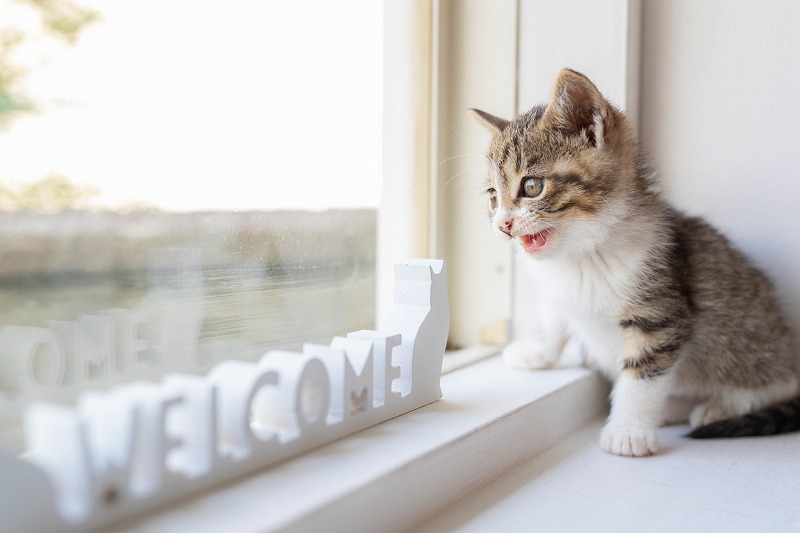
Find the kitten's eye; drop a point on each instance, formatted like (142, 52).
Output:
(532, 187)
(493, 198)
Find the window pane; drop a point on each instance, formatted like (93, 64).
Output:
(181, 183)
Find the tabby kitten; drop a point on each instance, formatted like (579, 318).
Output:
(662, 304)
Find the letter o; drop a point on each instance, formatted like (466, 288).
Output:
(313, 393)
(25, 344)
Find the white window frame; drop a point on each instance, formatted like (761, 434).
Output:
(492, 418)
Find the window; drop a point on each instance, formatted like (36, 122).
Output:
(181, 183)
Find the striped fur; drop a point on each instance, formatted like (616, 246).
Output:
(774, 420)
(662, 303)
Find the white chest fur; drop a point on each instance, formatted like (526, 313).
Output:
(588, 294)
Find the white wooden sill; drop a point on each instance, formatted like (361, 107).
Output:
(731, 485)
(394, 476)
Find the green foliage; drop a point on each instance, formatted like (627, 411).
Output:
(52, 194)
(10, 102)
(63, 19)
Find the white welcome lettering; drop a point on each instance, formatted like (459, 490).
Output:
(142, 443)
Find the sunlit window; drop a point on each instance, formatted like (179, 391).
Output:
(181, 183)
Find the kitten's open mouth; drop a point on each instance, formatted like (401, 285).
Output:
(534, 243)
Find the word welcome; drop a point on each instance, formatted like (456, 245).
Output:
(119, 451)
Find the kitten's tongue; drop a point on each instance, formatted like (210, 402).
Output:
(533, 243)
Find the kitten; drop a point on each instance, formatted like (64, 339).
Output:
(662, 304)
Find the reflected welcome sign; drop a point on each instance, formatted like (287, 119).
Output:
(121, 451)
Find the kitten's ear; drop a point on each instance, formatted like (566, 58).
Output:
(490, 122)
(576, 105)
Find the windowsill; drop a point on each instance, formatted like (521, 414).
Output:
(731, 485)
(491, 420)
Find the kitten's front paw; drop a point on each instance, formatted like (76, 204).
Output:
(629, 441)
(529, 354)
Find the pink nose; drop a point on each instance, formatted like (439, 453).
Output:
(505, 226)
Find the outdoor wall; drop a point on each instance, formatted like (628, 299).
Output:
(719, 116)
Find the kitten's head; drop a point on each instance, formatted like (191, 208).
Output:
(561, 175)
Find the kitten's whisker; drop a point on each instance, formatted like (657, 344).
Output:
(462, 182)
(457, 156)
(455, 176)
(451, 126)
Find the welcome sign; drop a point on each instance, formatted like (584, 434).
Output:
(121, 451)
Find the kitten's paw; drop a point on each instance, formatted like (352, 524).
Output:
(629, 441)
(529, 354)
(708, 413)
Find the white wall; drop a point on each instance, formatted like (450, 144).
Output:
(585, 35)
(720, 115)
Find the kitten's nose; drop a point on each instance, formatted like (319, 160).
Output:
(505, 226)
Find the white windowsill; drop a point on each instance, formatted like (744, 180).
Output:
(731, 485)
(393, 476)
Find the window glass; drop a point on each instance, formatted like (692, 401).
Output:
(180, 183)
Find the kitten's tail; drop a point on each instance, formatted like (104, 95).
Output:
(782, 417)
